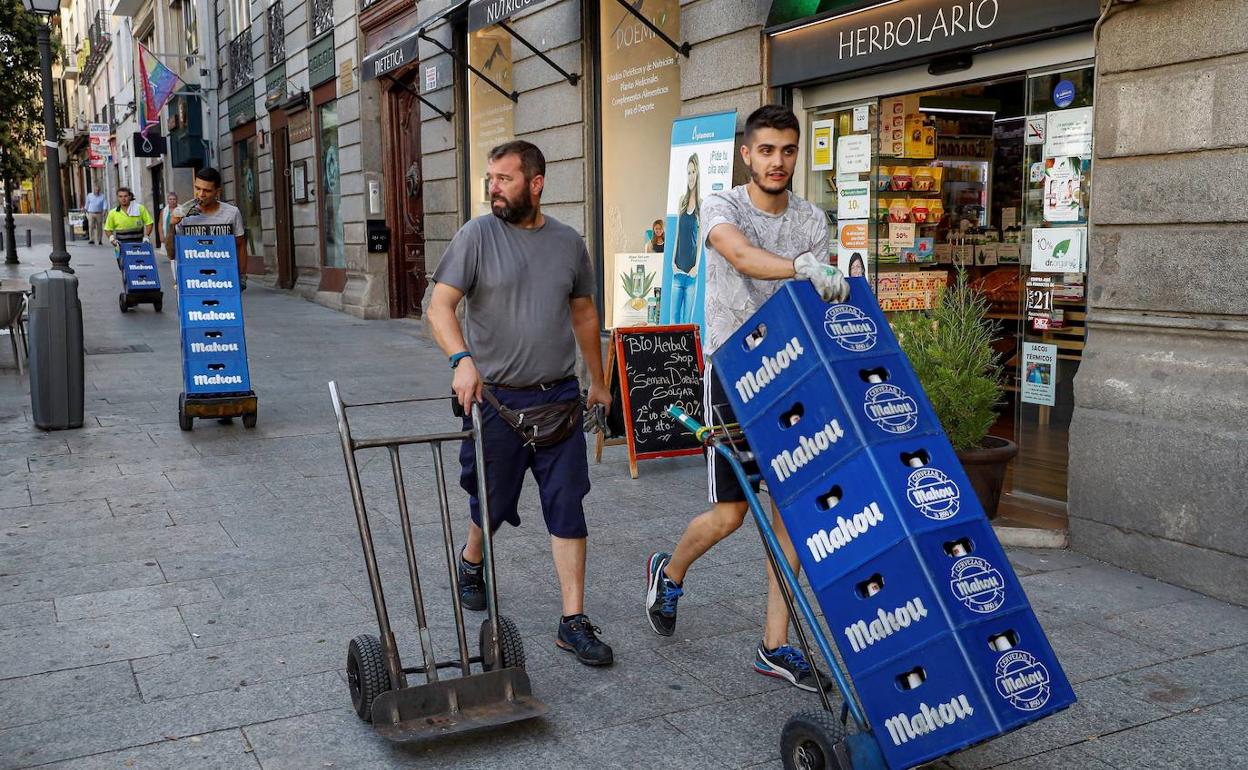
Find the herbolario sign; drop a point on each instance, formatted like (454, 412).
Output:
(891, 33)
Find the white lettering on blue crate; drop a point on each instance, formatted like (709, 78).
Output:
(206, 254)
(1023, 681)
(139, 266)
(140, 282)
(211, 315)
(977, 584)
(752, 383)
(214, 347)
(208, 283)
(891, 409)
(826, 542)
(933, 493)
(862, 635)
(218, 379)
(790, 461)
(903, 727)
(850, 328)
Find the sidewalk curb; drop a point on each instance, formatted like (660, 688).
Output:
(1032, 537)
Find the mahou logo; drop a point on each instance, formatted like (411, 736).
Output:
(850, 328)
(891, 408)
(933, 493)
(1023, 681)
(977, 584)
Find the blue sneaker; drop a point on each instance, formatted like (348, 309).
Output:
(788, 663)
(579, 636)
(661, 595)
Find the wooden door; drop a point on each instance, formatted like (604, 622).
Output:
(405, 193)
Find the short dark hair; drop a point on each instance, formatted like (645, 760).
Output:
(120, 190)
(209, 174)
(532, 161)
(775, 116)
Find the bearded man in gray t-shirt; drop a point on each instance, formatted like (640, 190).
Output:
(529, 287)
(757, 235)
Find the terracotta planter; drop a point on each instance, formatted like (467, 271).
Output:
(986, 468)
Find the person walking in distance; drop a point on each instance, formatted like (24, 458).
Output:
(757, 235)
(206, 214)
(97, 207)
(528, 286)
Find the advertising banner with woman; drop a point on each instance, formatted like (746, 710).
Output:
(701, 164)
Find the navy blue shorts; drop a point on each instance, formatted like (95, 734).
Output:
(561, 471)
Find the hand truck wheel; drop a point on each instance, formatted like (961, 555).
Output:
(185, 421)
(810, 741)
(249, 420)
(366, 674)
(509, 642)
(121, 302)
(158, 305)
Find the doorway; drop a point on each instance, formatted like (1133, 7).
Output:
(405, 193)
(158, 198)
(282, 202)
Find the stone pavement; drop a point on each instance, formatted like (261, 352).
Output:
(179, 600)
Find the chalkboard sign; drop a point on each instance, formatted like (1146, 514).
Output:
(656, 367)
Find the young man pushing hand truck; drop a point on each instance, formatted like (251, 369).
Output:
(757, 236)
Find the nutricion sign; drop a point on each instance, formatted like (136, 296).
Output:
(484, 13)
(914, 29)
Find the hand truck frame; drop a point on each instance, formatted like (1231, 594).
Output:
(500, 692)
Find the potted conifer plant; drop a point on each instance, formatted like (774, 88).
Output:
(950, 348)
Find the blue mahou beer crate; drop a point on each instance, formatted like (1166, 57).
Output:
(929, 617)
(138, 267)
(214, 348)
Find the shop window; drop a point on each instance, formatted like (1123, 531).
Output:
(991, 177)
(639, 99)
(330, 192)
(492, 114)
(247, 192)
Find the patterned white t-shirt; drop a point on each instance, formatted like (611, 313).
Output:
(731, 298)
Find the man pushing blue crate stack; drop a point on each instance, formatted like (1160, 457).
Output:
(933, 628)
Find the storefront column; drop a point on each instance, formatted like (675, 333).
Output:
(1158, 470)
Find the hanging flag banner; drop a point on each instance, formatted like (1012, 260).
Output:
(158, 83)
(701, 164)
(97, 150)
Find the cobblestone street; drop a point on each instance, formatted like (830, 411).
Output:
(185, 600)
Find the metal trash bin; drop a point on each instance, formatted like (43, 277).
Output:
(56, 355)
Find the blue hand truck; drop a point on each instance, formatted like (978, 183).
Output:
(938, 646)
(140, 277)
(216, 378)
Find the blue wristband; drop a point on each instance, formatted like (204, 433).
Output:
(460, 356)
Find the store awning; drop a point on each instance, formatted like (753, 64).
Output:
(825, 39)
(403, 49)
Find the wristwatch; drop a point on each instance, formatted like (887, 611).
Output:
(460, 356)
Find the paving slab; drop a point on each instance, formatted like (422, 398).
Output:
(62, 529)
(48, 584)
(74, 737)
(259, 617)
(35, 613)
(1183, 628)
(112, 547)
(1191, 682)
(78, 643)
(224, 750)
(75, 691)
(1194, 740)
(226, 666)
(101, 603)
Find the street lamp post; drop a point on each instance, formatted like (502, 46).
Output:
(60, 257)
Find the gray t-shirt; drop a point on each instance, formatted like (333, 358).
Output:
(517, 283)
(226, 220)
(731, 298)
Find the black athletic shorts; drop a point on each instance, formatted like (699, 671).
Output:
(721, 481)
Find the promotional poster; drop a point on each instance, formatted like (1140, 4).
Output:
(701, 164)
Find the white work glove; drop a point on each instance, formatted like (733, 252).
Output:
(827, 280)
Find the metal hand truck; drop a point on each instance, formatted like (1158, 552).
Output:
(817, 739)
(140, 277)
(500, 692)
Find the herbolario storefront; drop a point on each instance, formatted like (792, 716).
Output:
(946, 134)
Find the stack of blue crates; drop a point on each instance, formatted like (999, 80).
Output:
(935, 631)
(138, 267)
(214, 350)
